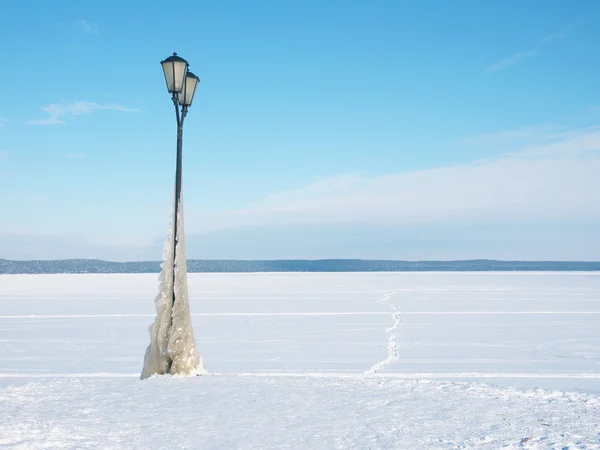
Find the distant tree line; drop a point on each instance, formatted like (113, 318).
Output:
(323, 265)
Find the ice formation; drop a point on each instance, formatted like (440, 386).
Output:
(172, 346)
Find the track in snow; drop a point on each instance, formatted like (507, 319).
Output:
(392, 346)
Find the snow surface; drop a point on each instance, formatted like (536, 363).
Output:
(362, 360)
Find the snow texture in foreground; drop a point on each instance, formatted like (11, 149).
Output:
(172, 346)
(236, 411)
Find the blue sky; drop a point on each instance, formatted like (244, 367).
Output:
(380, 129)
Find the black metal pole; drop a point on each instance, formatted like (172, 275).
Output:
(177, 186)
(178, 170)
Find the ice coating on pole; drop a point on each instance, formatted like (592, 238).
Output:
(185, 359)
(172, 346)
(156, 360)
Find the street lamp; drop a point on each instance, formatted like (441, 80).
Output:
(181, 84)
(172, 346)
(175, 68)
(179, 356)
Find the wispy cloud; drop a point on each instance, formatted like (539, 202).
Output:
(46, 121)
(537, 133)
(552, 37)
(87, 27)
(510, 60)
(520, 56)
(2, 122)
(60, 113)
(3, 154)
(554, 181)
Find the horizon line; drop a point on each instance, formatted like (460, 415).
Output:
(312, 260)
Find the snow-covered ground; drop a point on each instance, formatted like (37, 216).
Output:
(362, 360)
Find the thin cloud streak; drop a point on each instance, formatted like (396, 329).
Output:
(59, 113)
(503, 63)
(520, 56)
(553, 37)
(537, 132)
(87, 27)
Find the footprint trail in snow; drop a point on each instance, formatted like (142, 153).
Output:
(393, 336)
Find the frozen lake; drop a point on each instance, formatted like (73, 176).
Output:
(361, 360)
(520, 329)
